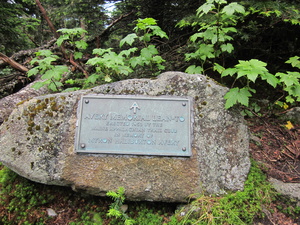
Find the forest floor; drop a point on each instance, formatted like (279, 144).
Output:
(277, 149)
(273, 145)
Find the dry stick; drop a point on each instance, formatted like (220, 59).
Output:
(78, 66)
(13, 63)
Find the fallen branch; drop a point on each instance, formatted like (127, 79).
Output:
(13, 63)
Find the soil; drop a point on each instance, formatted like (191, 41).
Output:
(277, 148)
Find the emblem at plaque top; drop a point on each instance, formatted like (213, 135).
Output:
(134, 106)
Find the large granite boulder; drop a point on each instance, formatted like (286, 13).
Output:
(37, 142)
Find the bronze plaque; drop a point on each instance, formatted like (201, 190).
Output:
(134, 125)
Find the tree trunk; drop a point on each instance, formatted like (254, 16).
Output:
(44, 13)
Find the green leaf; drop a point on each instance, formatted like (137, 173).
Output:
(220, 69)
(294, 91)
(142, 24)
(158, 59)
(55, 73)
(101, 51)
(211, 35)
(160, 67)
(129, 222)
(33, 71)
(54, 85)
(128, 52)
(194, 69)
(58, 71)
(124, 70)
(289, 99)
(136, 61)
(289, 79)
(251, 69)
(227, 47)
(146, 37)
(194, 37)
(204, 9)
(237, 95)
(233, 7)
(114, 213)
(94, 61)
(45, 53)
(148, 52)
(270, 78)
(73, 31)
(156, 30)
(70, 81)
(47, 61)
(61, 39)
(38, 85)
(205, 51)
(294, 61)
(92, 78)
(81, 44)
(107, 78)
(129, 39)
(78, 55)
(229, 71)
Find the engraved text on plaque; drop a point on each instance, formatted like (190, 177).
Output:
(134, 125)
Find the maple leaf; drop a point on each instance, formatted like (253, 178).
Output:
(289, 125)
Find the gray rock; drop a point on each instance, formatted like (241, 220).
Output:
(37, 142)
(291, 190)
(293, 115)
(51, 212)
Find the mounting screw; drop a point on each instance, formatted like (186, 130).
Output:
(82, 145)
(184, 104)
(184, 149)
(86, 101)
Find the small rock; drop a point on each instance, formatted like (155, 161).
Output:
(292, 115)
(51, 212)
(124, 208)
(291, 190)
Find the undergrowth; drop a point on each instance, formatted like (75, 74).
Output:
(25, 202)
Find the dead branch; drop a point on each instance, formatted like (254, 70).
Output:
(13, 63)
(106, 30)
(78, 66)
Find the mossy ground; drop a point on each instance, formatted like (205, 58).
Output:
(26, 202)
